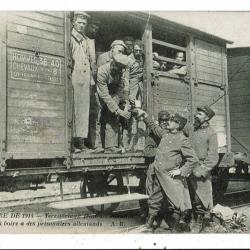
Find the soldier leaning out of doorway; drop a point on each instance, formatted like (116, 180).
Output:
(83, 71)
(113, 90)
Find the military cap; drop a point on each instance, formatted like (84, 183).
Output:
(208, 111)
(118, 42)
(163, 115)
(81, 14)
(122, 59)
(180, 119)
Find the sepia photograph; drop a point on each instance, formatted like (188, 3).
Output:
(124, 122)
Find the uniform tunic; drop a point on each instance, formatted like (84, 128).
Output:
(110, 87)
(174, 152)
(205, 145)
(82, 79)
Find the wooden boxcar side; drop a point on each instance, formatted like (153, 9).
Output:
(205, 82)
(34, 109)
(239, 94)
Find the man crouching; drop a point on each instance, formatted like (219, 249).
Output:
(174, 160)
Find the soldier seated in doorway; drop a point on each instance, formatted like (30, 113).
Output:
(179, 69)
(174, 161)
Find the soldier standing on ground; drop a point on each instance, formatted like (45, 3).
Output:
(82, 79)
(151, 145)
(174, 161)
(205, 144)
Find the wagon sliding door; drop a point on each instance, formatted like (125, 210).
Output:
(211, 87)
(168, 91)
(36, 85)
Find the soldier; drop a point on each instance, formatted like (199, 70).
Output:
(152, 143)
(83, 70)
(179, 69)
(174, 160)
(205, 145)
(116, 47)
(129, 41)
(133, 134)
(113, 88)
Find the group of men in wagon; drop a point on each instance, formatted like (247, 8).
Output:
(179, 173)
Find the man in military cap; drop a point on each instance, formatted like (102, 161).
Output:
(174, 160)
(116, 47)
(129, 42)
(205, 144)
(151, 144)
(113, 88)
(83, 70)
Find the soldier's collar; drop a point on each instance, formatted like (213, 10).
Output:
(204, 125)
(78, 36)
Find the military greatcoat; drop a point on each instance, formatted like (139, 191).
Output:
(174, 152)
(82, 79)
(205, 145)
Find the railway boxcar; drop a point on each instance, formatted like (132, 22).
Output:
(36, 101)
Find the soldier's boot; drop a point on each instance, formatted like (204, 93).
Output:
(196, 224)
(149, 224)
(206, 218)
(184, 221)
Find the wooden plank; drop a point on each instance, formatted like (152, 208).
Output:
(240, 100)
(40, 87)
(33, 147)
(201, 44)
(210, 88)
(242, 76)
(239, 108)
(171, 60)
(148, 65)
(31, 94)
(240, 124)
(207, 62)
(32, 15)
(241, 131)
(240, 115)
(24, 103)
(27, 42)
(209, 77)
(169, 45)
(35, 32)
(44, 138)
(79, 203)
(57, 14)
(35, 113)
(242, 84)
(15, 122)
(213, 71)
(205, 58)
(3, 85)
(36, 24)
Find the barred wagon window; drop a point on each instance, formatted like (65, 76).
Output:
(169, 52)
